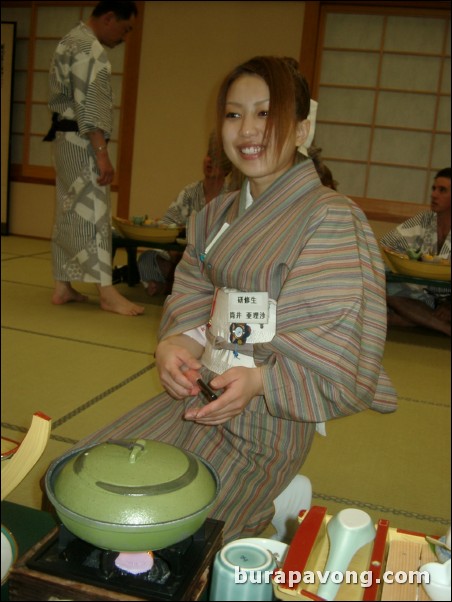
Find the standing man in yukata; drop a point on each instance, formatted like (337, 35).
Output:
(81, 101)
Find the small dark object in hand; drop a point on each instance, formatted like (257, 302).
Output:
(206, 390)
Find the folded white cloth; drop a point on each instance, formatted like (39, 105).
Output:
(296, 497)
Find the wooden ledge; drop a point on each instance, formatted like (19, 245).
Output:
(388, 211)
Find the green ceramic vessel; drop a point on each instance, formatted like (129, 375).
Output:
(132, 495)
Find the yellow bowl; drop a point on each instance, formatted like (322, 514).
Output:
(146, 233)
(400, 263)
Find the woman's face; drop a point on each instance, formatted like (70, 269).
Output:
(247, 107)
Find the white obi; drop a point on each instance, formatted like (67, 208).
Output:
(228, 338)
(238, 320)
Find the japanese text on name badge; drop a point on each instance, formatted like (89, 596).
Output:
(251, 308)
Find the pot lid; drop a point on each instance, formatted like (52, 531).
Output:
(139, 482)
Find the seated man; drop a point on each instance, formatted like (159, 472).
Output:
(157, 267)
(426, 232)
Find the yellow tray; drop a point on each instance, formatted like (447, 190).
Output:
(392, 549)
(400, 263)
(156, 234)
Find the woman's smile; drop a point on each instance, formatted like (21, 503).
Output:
(251, 152)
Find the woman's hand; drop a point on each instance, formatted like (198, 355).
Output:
(240, 386)
(178, 366)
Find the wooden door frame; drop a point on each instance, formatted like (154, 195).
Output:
(309, 62)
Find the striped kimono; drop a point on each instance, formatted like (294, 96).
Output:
(313, 251)
(80, 90)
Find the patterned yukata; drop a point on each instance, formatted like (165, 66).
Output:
(419, 233)
(189, 200)
(314, 252)
(80, 90)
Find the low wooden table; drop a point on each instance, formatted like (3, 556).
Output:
(131, 247)
(427, 282)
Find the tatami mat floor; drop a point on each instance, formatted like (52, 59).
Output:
(85, 367)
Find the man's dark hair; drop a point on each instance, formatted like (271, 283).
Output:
(443, 173)
(121, 9)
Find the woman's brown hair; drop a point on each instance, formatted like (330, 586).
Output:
(289, 94)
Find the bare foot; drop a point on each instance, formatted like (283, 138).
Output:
(64, 293)
(158, 288)
(112, 300)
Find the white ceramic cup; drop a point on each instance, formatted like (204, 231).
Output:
(242, 571)
(438, 586)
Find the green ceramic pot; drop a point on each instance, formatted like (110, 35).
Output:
(132, 495)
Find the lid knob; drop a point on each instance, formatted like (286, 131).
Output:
(138, 447)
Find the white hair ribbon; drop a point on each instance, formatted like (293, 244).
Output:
(303, 148)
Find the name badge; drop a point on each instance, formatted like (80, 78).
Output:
(249, 308)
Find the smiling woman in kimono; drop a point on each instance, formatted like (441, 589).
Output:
(278, 303)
